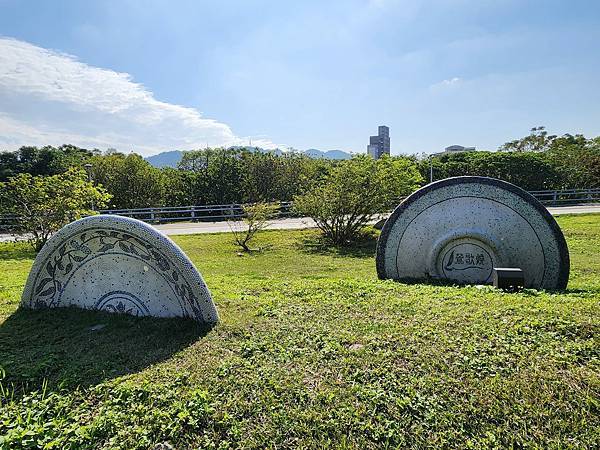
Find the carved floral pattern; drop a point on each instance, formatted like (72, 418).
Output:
(77, 249)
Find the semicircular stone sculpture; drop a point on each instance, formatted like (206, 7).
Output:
(117, 264)
(461, 228)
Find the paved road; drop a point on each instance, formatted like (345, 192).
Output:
(173, 229)
(219, 227)
(577, 209)
(297, 223)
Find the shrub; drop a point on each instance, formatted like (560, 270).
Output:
(256, 217)
(354, 192)
(44, 204)
(528, 170)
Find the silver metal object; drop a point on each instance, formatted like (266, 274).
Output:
(508, 278)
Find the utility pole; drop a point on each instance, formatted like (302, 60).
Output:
(431, 165)
(431, 168)
(88, 169)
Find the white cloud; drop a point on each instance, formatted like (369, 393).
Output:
(50, 98)
(451, 81)
(445, 85)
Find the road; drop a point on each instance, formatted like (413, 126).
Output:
(304, 222)
(171, 229)
(577, 209)
(177, 228)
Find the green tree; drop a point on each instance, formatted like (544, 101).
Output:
(260, 176)
(182, 187)
(529, 170)
(47, 160)
(538, 141)
(131, 180)
(42, 205)
(195, 160)
(269, 177)
(9, 165)
(218, 174)
(564, 154)
(224, 177)
(578, 161)
(354, 192)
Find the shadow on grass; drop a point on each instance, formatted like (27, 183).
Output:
(582, 292)
(16, 250)
(68, 347)
(527, 292)
(363, 247)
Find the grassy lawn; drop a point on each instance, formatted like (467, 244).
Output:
(312, 351)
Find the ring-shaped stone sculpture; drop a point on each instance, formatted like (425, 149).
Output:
(117, 264)
(460, 228)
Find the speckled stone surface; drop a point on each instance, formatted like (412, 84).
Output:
(121, 265)
(460, 228)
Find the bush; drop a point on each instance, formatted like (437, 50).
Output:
(44, 204)
(255, 218)
(529, 170)
(355, 191)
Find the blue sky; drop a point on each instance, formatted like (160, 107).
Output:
(162, 75)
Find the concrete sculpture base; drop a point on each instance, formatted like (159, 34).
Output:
(121, 265)
(460, 228)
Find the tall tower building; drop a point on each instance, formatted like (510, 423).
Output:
(380, 144)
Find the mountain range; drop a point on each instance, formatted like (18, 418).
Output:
(172, 158)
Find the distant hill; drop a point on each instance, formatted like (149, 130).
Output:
(330, 154)
(172, 158)
(165, 159)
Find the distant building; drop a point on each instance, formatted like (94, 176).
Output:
(380, 144)
(447, 150)
(458, 148)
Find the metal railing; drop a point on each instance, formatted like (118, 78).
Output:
(235, 211)
(6, 222)
(194, 213)
(191, 213)
(197, 213)
(566, 196)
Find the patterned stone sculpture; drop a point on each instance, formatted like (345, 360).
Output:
(117, 264)
(461, 228)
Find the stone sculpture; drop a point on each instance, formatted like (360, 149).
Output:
(460, 228)
(117, 264)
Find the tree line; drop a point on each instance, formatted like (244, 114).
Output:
(209, 176)
(220, 176)
(535, 162)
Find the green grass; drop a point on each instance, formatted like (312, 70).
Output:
(312, 351)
